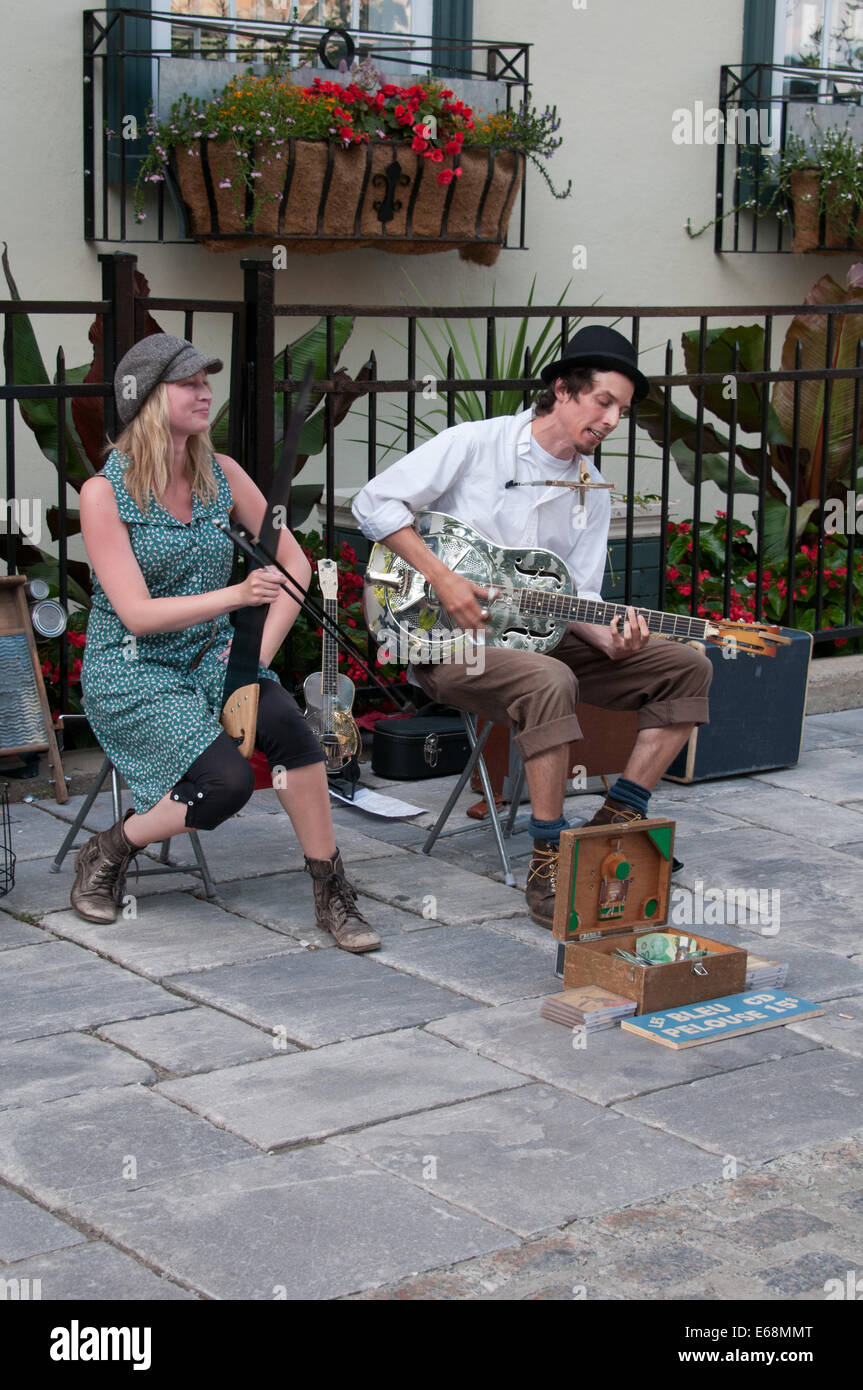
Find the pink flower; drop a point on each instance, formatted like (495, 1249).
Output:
(226, 183)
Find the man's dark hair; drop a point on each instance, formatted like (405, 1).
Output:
(575, 379)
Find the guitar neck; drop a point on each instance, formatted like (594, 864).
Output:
(329, 655)
(588, 610)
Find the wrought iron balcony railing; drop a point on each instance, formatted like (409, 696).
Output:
(134, 60)
(765, 110)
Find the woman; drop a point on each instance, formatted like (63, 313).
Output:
(159, 634)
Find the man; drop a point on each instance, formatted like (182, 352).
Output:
(484, 473)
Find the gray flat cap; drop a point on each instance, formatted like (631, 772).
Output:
(161, 357)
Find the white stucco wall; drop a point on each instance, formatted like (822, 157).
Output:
(616, 69)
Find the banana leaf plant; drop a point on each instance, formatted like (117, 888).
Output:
(291, 364)
(822, 445)
(521, 356)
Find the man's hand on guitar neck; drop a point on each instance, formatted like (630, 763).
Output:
(461, 599)
(620, 639)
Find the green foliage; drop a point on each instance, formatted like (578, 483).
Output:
(308, 350)
(254, 112)
(710, 580)
(508, 363)
(819, 446)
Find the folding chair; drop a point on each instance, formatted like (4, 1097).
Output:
(608, 739)
(165, 865)
(501, 831)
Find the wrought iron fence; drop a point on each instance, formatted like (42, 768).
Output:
(132, 58)
(772, 460)
(763, 108)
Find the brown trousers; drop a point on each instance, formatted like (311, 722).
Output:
(666, 682)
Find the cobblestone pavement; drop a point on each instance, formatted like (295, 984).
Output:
(209, 1100)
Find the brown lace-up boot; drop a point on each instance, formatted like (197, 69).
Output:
(542, 882)
(613, 812)
(336, 908)
(100, 874)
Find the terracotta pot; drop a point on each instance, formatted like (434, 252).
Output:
(843, 226)
(316, 198)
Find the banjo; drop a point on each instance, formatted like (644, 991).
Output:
(530, 611)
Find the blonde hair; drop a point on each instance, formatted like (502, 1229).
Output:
(149, 447)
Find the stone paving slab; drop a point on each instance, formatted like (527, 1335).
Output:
(15, 933)
(61, 987)
(816, 737)
(71, 1153)
(194, 1040)
(773, 809)
(309, 1095)
(26, 1229)
(174, 935)
(245, 847)
(423, 884)
(770, 1109)
(95, 1272)
(840, 1028)
(318, 997)
(473, 961)
(523, 929)
(775, 1203)
(830, 774)
(313, 1224)
(606, 1066)
(842, 721)
(41, 1069)
(38, 891)
(35, 835)
(407, 834)
(530, 1158)
(285, 902)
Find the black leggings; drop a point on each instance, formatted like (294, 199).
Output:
(221, 780)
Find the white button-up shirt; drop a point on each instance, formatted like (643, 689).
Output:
(463, 472)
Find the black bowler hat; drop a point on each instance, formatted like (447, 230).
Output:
(604, 349)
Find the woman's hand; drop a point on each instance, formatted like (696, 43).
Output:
(263, 585)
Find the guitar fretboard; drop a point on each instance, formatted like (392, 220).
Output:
(330, 660)
(586, 610)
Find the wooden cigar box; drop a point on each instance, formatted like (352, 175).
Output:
(614, 886)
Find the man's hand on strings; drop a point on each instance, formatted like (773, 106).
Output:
(466, 603)
(628, 635)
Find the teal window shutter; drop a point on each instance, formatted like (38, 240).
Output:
(453, 19)
(759, 25)
(130, 86)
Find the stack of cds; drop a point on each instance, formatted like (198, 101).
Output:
(764, 974)
(589, 1007)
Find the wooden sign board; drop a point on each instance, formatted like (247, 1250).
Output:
(25, 719)
(728, 1017)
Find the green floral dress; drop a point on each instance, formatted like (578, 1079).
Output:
(151, 713)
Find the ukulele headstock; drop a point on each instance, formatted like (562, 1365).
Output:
(328, 578)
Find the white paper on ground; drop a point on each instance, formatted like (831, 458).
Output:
(378, 805)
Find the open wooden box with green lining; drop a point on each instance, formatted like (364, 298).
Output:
(614, 887)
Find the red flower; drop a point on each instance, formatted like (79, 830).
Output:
(419, 144)
(436, 155)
